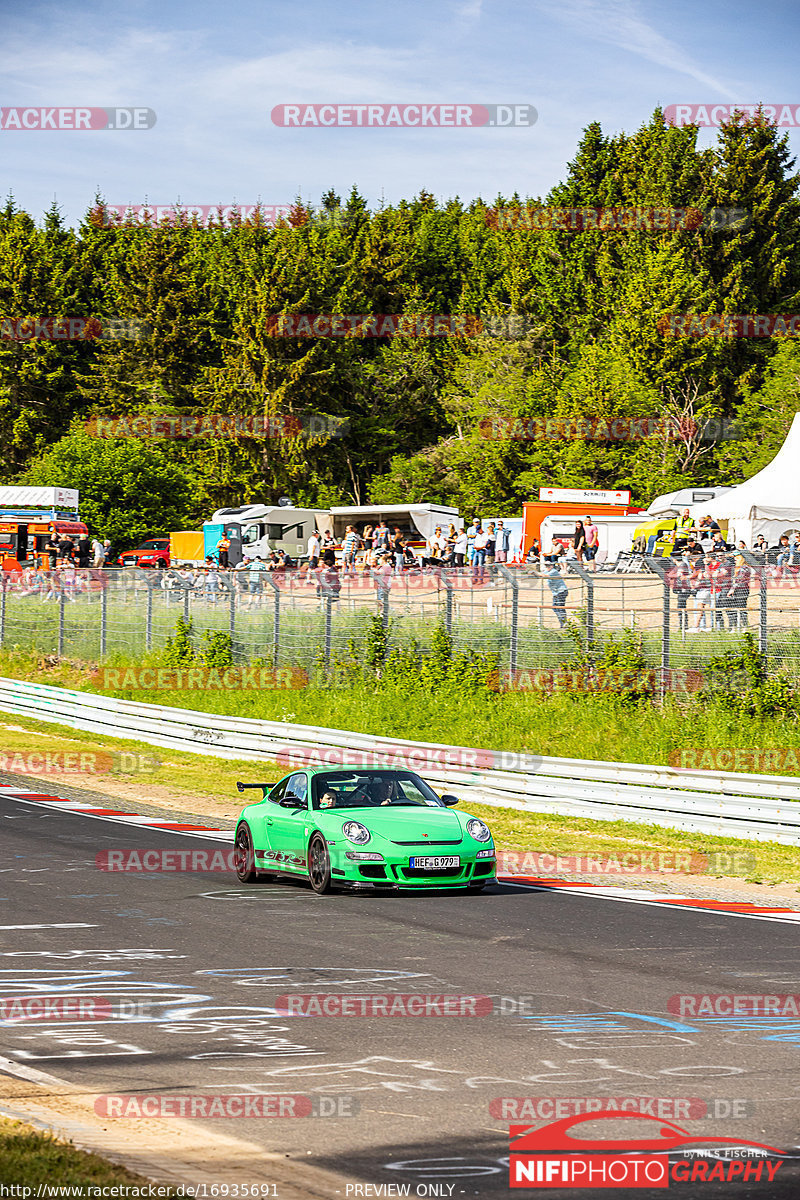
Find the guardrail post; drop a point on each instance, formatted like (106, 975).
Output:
(148, 620)
(328, 630)
(62, 601)
(513, 646)
(276, 618)
(658, 567)
(103, 616)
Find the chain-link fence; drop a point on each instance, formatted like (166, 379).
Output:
(530, 619)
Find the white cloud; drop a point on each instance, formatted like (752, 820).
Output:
(620, 23)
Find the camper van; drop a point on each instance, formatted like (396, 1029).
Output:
(258, 530)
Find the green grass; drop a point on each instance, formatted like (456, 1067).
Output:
(29, 1158)
(563, 726)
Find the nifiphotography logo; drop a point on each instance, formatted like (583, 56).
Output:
(554, 1156)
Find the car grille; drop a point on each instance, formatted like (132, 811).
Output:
(426, 842)
(444, 873)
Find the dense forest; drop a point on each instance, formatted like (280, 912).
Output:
(402, 418)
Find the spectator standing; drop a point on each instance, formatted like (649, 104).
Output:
(502, 543)
(382, 576)
(682, 587)
(255, 580)
(460, 548)
(739, 594)
(560, 592)
(107, 556)
(579, 540)
(722, 579)
(98, 552)
(222, 548)
(350, 547)
(53, 549)
(368, 537)
(592, 537)
(314, 550)
(66, 548)
(84, 551)
(327, 542)
(479, 545)
(398, 549)
(472, 533)
(491, 543)
(212, 583)
(701, 587)
(330, 585)
(381, 536)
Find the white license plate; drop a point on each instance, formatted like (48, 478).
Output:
(429, 863)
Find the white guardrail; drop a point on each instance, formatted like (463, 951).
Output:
(732, 804)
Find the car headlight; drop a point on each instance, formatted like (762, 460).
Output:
(478, 830)
(354, 831)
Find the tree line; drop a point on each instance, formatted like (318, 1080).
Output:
(565, 331)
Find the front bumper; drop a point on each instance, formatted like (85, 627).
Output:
(395, 871)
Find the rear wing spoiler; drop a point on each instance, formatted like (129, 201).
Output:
(240, 787)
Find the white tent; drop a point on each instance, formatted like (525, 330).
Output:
(768, 503)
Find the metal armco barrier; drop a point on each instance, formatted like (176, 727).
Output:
(732, 804)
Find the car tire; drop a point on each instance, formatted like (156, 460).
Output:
(244, 858)
(161, 564)
(319, 865)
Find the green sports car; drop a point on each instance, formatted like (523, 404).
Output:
(362, 828)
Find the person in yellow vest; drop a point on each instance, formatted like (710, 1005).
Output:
(222, 547)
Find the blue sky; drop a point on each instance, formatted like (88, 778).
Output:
(213, 71)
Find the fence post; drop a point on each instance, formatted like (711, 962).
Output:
(588, 579)
(448, 605)
(62, 600)
(186, 604)
(760, 565)
(276, 618)
(103, 617)
(3, 597)
(232, 623)
(148, 620)
(328, 630)
(513, 648)
(658, 567)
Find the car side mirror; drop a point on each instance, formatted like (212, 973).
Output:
(449, 800)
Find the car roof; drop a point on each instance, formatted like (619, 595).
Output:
(337, 767)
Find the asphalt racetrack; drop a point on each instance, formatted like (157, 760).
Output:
(193, 965)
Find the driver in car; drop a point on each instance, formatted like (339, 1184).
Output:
(383, 791)
(328, 800)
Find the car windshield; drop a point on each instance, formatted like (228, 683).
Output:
(371, 789)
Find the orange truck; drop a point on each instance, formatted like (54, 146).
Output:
(28, 516)
(577, 502)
